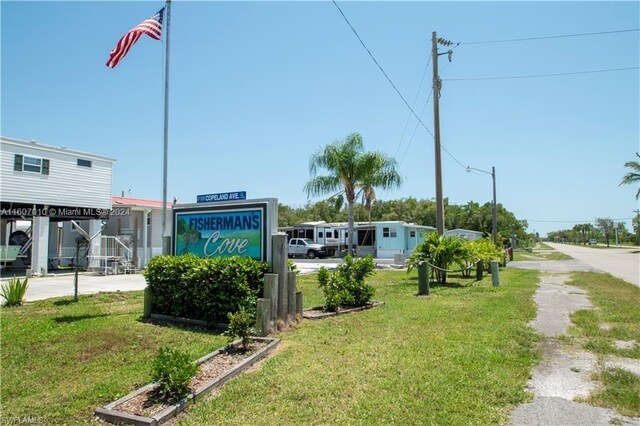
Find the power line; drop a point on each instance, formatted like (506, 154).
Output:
(550, 37)
(416, 127)
(381, 69)
(413, 105)
(540, 75)
(392, 84)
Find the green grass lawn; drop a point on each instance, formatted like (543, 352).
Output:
(60, 359)
(462, 356)
(616, 304)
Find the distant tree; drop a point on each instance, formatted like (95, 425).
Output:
(605, 225)
(633, 177)
(351, 169)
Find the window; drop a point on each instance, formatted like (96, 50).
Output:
(412, 234)
(320, 234)
(22, 163)
(389, 232)
(84, 163)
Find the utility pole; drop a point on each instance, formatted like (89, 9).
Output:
(637, 212)
(436, 136)
(437, 85)
(494, 206)
(494, 213)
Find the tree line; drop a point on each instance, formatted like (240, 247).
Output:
(603, 230)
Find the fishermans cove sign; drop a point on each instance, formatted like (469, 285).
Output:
(223, 229)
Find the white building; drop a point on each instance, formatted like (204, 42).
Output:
(466, 234)
(379, 239)
(137, 223)
(51, 186)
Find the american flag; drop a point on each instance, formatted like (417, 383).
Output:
(151, 27)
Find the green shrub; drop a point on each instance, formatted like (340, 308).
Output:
(439, 251)
(486, 250)
(204, 288)
(346, 285)
(240, 326)
(14, 291)
(173, 370)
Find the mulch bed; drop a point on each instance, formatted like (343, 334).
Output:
(320, 312)
(149, 402)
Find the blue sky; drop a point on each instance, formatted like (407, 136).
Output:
(257, 87)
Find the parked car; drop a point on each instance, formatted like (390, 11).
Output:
(306, 247)
(593, 242)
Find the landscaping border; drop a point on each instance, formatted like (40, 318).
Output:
(188, 321)
(306, 313)
(111, 415)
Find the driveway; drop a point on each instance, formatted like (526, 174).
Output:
(619, 262)
(62, 285)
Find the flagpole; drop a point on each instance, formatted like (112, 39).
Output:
(165, 238)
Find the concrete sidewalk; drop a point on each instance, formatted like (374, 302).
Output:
(62, 285)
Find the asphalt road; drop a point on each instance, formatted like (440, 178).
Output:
(619, 262)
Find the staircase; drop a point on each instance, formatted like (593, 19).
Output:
(114, 258)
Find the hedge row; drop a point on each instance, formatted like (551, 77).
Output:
(204, 288)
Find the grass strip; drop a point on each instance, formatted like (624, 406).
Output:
(616, 316)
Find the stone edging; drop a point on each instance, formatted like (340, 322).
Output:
(306, 315)
(109, 414)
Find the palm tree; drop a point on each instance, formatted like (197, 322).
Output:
(633, 176)
(351, 169)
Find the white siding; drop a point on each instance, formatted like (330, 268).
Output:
(155, 230)
(67, 184)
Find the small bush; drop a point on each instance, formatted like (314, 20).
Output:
(173, 370)
(14, 291)
(486, 250)
(240, 326)
(346, 285)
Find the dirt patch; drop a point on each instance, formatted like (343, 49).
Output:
(319, 312)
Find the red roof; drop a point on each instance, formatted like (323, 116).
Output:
(138, 202)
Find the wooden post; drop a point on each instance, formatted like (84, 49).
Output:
(280, 266)
(263, 317)
(479, 269)
(495, 277)
(148, 302)
(299, 304)
(271, 293)
(423, 278)
(291, 295)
